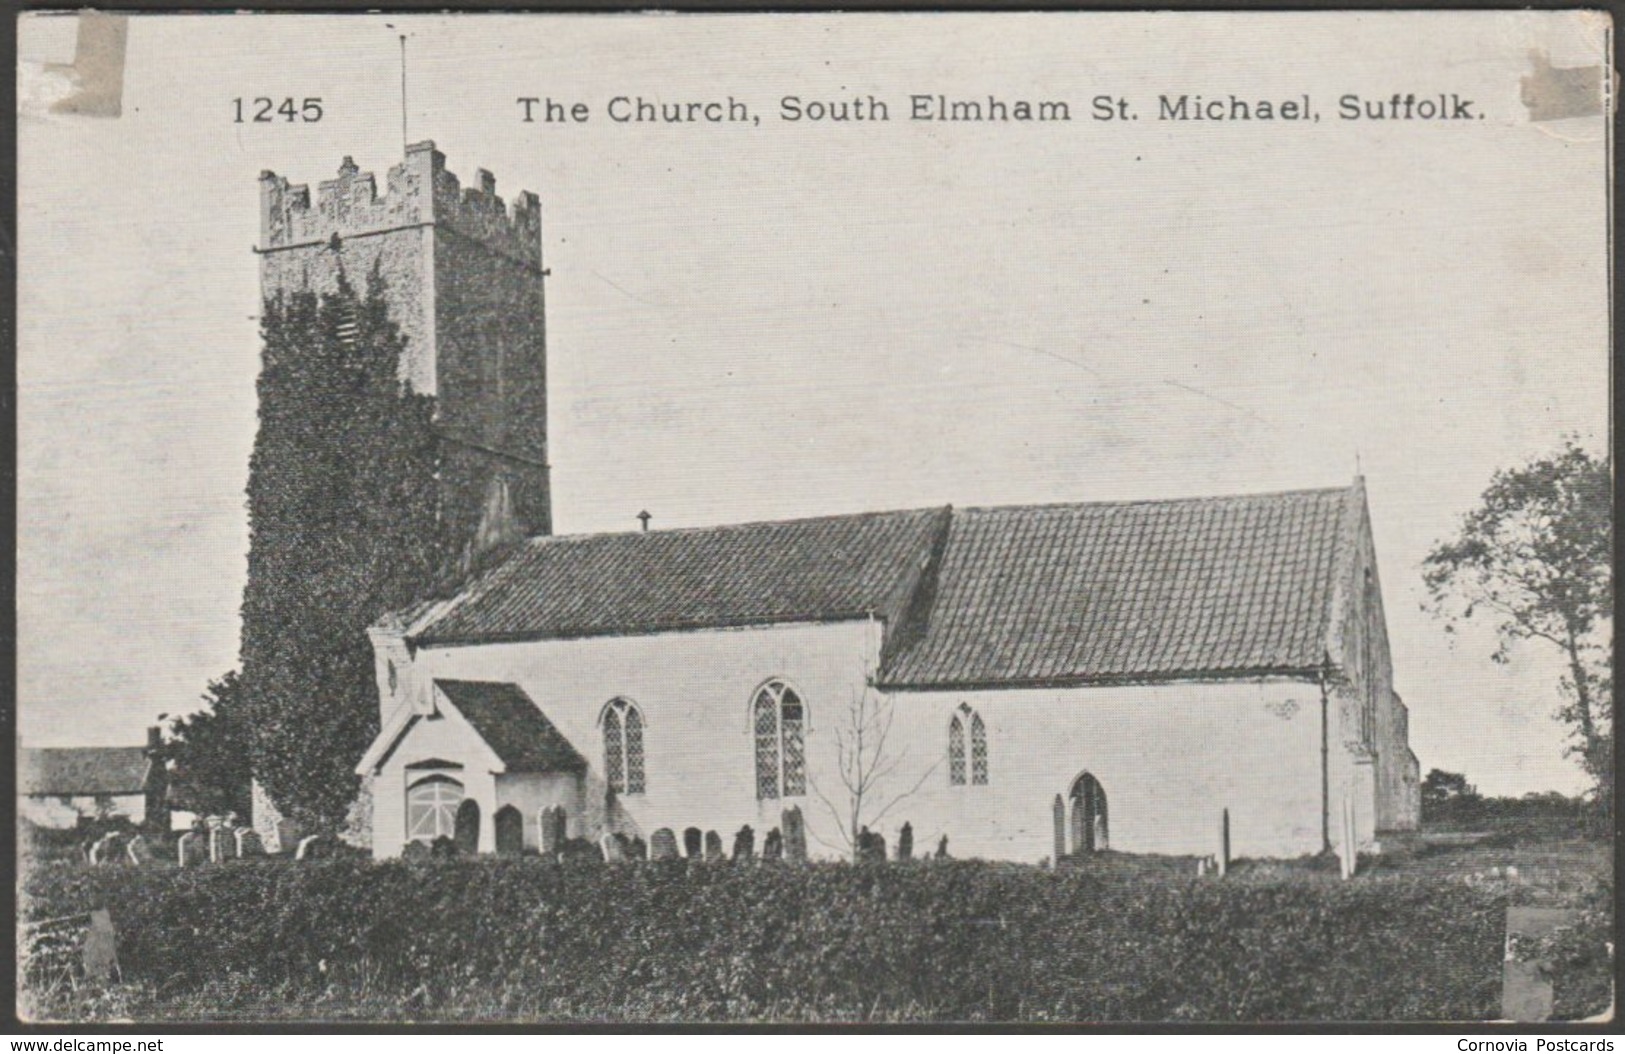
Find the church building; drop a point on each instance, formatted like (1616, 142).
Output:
(1029, 680)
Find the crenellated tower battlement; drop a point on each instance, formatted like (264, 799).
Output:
(419, 190)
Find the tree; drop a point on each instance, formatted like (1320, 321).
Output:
(1441, 786)
(866, 759)
(208, 752)
(344, 527)
(1534, 558)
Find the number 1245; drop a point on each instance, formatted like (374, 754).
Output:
(265, 111)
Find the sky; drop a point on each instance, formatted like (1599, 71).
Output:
(765, 320)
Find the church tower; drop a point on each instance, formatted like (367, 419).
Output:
(463, 279)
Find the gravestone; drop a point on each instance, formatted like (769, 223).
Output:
(287, 833)
(1223, 859)
(416, 850)
(221, 843)
(942, 848)
(637, 849)
(312, 847)
(248, 842)
(692, 837)
(663, 845)
(871, 847)
(554, 829)
(189, 851)
(107, 848)
(465, 829)
(773, 846)
(510, 831)
(140, 851)
(101, 948)
(1526, 993)
(610, 846)
(713, 847)
(744, 844)
(795, 835)
(443, 847)
(1059, 808)
(905, 842)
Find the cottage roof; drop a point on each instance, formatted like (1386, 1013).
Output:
(81, 771)
(513, 726)
(1016, 595)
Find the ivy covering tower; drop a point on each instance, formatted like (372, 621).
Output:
(402, 433)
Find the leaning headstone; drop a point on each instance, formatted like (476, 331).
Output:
(248, 842)
(905, 842)
(795, 835)
(693, 839)
(713, 847)
(773, 845)
(610, 846)
(942, 848)
(101, 948)
(312, 847)
(663, 845)
(744, 844)
(139, 851)
(189, 851)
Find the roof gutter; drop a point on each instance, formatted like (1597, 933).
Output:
(1293, 673)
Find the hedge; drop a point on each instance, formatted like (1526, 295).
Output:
(944, 941)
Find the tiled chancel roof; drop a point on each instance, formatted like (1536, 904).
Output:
(1124, 591)
(833, 567)
(81, 771)
(513, 726)
(1046, 594)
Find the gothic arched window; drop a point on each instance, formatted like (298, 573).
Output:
(967, 724)
(779, 720)
(623, 747)
(431, 808)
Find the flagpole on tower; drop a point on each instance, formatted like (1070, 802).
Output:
(403, 93)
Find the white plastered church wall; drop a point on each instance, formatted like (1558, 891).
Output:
(1170, 758)
(694, 690)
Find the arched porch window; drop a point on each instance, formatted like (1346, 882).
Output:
(431, 808)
